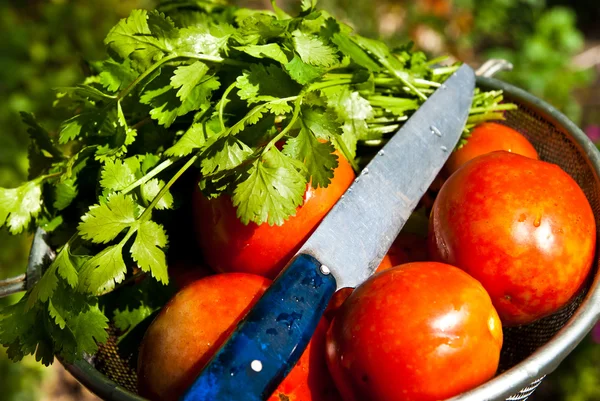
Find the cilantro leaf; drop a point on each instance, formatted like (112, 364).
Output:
(355, 52)
(262, 82)
(150, 190)
(19, 205)
(272, 192)
(147, 250)
(118, 175)
(40, 136)
(317, 156)
(94, 121)
(301, 72)
(21, 332)
(271, 50)
(89, 329)
(167, 106)
(133, 38)
(312, 50)
(187, 77)
(200, 40)
(308, 5)
(116, 76)
(352, 110)
(323, 123)
(65, 193)
(224, 154)
(103, 271)
(193, 139)
(125, 319)
(102, 223)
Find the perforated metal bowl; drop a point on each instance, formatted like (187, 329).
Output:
(530, 352)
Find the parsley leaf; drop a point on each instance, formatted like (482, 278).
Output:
(272, 192)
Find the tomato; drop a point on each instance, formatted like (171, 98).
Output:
(407, 248)
(339, 297)
(228, 245)
(310, 379)
(419, 331)
(522, 227)
(194, 324)
(489, 137)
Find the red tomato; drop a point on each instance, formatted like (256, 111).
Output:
(310, 379)
(228, 245)
(194, 324)
(522, 227)
(338, 299)
(419, 331)
(489, 137)
(407, 248)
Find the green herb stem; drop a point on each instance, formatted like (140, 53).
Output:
(277, 138)
(498, 107)
(222, 103)
(148, 212)
(155, 171)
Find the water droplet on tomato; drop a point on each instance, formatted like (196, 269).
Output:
(537, 221)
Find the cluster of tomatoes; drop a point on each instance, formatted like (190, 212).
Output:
(510, 240)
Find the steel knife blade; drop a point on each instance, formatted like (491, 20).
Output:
(343, 251)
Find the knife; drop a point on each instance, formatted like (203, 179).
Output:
(344, 250)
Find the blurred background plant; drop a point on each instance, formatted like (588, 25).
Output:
(554, 46)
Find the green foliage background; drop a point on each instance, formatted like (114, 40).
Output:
(45, 44)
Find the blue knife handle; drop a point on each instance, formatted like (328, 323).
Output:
(270, 339)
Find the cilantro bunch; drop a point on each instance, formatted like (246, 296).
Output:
(252, 103)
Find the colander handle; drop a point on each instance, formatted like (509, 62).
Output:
(40, 251)
(493, 66)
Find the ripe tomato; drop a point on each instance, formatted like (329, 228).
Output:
(522, 227)
(419, 331)
(194, 324)
(228, 245)
(407, 248)
(310, 379)
(489, 137)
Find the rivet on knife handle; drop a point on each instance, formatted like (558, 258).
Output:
(270, 339)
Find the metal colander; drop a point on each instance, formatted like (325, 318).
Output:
(529, 352)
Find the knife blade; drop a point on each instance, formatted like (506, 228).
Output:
(344, 250)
